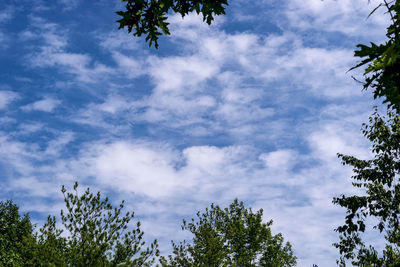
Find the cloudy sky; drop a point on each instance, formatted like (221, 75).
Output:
(254, 107)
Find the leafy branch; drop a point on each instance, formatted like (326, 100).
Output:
(149, 17)
(383, 61)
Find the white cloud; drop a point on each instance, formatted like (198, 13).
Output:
(337, 16)
(240, 105)
(206, 90)
(134, 168)
(3, 40)
(339, 131)
(54, 53)
(114, 104)
(14, 155)
(35, 187)
(55, 146)
(48, 104)
(7, 14)
(181, 73)
(80, 65)
(6, 97)
(130, 66)
(28, 128)
(69, 4)
(27, 169)
(281, 159)
(108, 114)
(117, 41)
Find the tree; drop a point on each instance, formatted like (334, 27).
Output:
(234, 236)
(98, 234)
(380, 202)
(149, 17)
(14, 230)
(383, 61)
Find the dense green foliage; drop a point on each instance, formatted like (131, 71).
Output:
(380, 201)
(383, 61)
(234, 236)
(149, 17)
(15, 230)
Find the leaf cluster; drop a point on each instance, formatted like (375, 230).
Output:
(234, 236)
(383, 61)
(149, 17)
(379, 178)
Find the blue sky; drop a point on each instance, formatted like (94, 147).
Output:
(254, 107)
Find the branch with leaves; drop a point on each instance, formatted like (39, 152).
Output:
(382, 72)
(149, 17)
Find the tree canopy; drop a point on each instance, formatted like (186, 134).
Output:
(234, 236)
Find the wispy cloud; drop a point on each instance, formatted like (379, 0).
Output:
(6, 97)
(332, 16)
(7, 14)
(3, 40)
(69, 4)
(130, 66)
(48, 104)
(29, 128)
(54, 53)
(117, 41)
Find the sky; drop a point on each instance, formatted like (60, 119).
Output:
(254, 107)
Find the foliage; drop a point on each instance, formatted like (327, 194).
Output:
(380, 203)
(47, 248)
(383, 61)
(234, 236)
(149, 17)
(14, 229)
